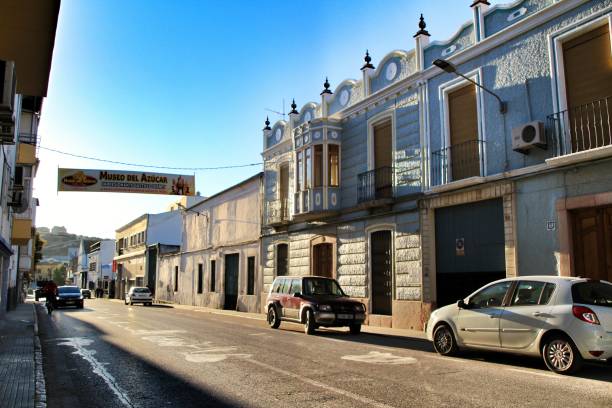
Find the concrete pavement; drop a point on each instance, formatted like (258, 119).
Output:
(22, 383)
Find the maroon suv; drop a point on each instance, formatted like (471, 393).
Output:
(314, 301)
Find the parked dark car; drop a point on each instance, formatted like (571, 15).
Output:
(313, 301)
(68, 296)
(86, 293)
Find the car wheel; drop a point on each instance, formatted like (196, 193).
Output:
(444, 341)
(355, 328)
(273, 319)
(561, 355)
(309, 322)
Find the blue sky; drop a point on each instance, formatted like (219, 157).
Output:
(186, 83)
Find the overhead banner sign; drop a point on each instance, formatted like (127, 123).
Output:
(117, 181)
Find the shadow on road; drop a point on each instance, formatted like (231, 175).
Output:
(87, 377)
(591, 371)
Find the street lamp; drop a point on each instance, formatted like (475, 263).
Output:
(449, 67)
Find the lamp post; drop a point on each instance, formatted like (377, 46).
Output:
(447, 66)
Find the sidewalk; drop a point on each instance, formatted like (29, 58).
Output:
(21, 377)
(381, 331)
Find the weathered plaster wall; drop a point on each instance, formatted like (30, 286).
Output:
(538, 247)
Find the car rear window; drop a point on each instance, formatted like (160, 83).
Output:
(592, 293)
(69, 289)
(141, 290)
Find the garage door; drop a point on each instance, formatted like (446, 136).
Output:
(469, 248)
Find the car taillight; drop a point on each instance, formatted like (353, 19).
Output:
(585, 314)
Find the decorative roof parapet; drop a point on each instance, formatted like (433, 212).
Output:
(485, 2)
(422, 26)
(326, 86)
(368, 61)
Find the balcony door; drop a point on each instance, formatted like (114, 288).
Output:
(464, 145)
(383, 160)
(588, 82)
(283, 191)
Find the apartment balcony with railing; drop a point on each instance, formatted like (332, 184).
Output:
(457, 162)
(376, 185)
(277, 212)
(27, 148)
(584, 128)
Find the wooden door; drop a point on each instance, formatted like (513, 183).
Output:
(463, 119)
(592, 235)
(381, 263)
(231, 281)
(323, 261)
(383, 160)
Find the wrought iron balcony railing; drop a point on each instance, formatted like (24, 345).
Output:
(457, 162)
(29, 138)
(375, 184)
(581, 128)
(277, 211)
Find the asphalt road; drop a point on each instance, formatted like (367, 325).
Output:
(112, 355)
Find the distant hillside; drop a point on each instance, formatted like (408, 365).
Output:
(59, 243)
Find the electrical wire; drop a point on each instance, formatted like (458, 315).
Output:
(148, 165)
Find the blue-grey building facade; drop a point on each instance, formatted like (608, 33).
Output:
(452, 164)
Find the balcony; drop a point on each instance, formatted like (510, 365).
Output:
(457, 162)
(376, 185)
(21, 231)
(581, 129)
(277, 212)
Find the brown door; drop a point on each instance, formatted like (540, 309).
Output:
(383, 160)
(284, 191)
(592, 235)
(381, 272)
(588, 81)
(323, 261)
(463, 118)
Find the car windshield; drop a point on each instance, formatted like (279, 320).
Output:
(69, 289)
(141, 290)
(326, 287)
(592, 293)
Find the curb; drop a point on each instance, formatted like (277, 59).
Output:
(40, 388)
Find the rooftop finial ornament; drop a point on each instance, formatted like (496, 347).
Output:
(326, 86)
(293, 106)
(368, 61)
(267, 122)
(485, 2)
(422, 25)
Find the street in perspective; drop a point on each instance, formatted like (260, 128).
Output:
(328, 204)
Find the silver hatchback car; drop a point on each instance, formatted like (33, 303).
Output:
(564, 320)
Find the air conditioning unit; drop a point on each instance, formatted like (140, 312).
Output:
(528, 136)
(8, 84)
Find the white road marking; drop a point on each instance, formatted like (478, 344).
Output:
(376, 357)
(518, 370)
(79, 344)
(258, 334)
(348, 394)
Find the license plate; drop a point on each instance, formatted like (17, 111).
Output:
(345, 316)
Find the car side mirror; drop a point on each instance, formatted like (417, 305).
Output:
(461, 304)
(297, 295)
